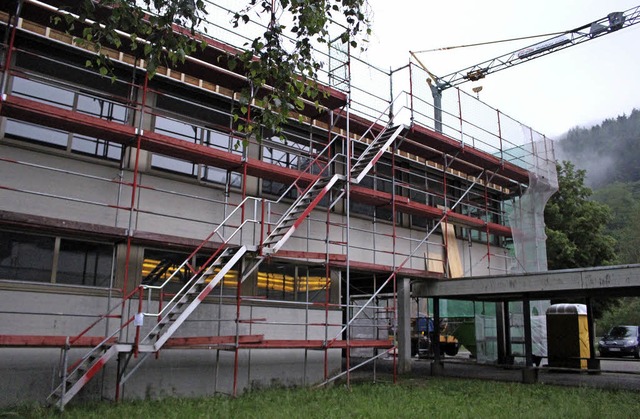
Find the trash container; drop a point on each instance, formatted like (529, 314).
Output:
(567, 336)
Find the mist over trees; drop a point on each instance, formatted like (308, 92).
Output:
(609, 154)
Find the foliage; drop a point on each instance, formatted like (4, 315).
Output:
(280, 74)
(435, 397)
(575, 225)
(291, 72)
(146, 28)
(624, 201)
(610, 152)
(626, 312)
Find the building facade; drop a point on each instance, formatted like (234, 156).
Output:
(134, 217)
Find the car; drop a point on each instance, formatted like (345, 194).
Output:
(621, 341)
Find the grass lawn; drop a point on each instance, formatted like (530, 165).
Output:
(433, 397)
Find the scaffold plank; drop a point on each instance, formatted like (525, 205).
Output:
(319, 344)
(43, 341)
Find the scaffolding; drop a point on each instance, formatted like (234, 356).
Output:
(369, 190)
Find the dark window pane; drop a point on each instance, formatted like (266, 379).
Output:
(25, 257)
(96, 147)
(42, 92)
(84, 263)
(37, 133)
(317, 285)
(101, 108)
(277, 282)
(173, 165)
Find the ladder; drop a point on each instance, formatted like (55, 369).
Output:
(82, 372)
(208, 277)
(312, 196)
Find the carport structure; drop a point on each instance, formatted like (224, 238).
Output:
(588, 283)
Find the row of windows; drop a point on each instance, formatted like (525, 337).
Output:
(170, 119)
(27, 257)
(46, 259)
(284, 282)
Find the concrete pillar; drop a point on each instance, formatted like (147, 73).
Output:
(404, 326)
(593, 364)
(526, 311)
(436, 365)
(529, 373)
(252, 183)
(503, 333)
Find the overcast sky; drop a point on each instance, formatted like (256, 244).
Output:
(578, 86)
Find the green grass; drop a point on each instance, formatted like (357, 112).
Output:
(433, 397)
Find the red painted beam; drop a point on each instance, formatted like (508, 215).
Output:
(403, 204)
(55, 117)
(212, 340)
(319, 344)
(506, 172)
(294, 254)
(52, 116)
(387, 269)
(44, 341)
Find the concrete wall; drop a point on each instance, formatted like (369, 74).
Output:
(199, 209)
(30, 373)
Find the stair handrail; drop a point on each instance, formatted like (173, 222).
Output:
(383, 113)
(206, 240)
(283, 216)
(318, 155)
(188, 284)
(104, 316)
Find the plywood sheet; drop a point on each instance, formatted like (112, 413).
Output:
(434, 262)
(454, 260)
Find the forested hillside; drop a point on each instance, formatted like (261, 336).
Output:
(610, 154)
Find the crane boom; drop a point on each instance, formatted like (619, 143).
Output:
(608, 24)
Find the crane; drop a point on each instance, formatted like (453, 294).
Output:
(611, 23)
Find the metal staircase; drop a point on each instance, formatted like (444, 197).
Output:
(191, 295)
(299, 210)
(177, 311)
(373, 153)
(83, 371)
(205, 279)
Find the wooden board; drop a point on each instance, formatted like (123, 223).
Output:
(454, 260)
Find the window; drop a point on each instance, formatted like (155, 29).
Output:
(25, 257)
(67, 84)
(158, 266)
(161, 265)
(28, 257)
(379, 178)
(178, 122)
(490, 213)
(279, 281)
(284, 153)
(84, 263)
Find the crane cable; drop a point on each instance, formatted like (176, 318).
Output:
(487, 43)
